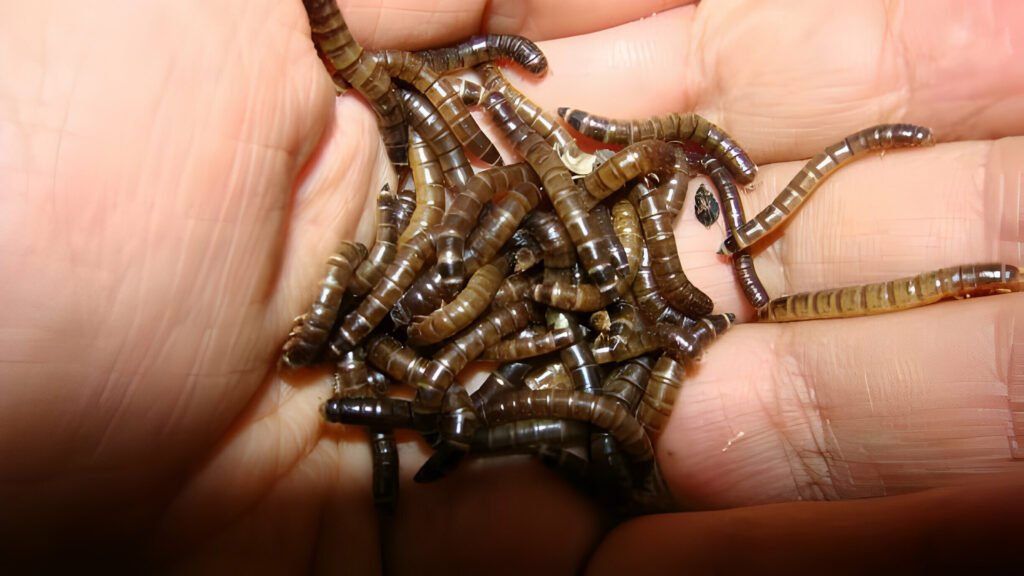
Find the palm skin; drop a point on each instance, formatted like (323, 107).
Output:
(175, 174)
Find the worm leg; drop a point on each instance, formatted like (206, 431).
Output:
(817, 169)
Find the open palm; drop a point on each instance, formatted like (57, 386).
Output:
(175, 173)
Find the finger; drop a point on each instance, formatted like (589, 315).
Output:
(411, 25)
(850, 408)
(879, 218)
(779, 78)
(969, 529)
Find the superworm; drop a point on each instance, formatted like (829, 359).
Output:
(627, 382)
(458, 424)
(656, 220)
(565, 196)
(508, 376)
(398, 276)
(602, 218)
(495, 228)
(964, 281)
(544, 123)
(626, 223)
(648, 298)
(816, 170)
(359, 69)
(459, 220)
(553, 239)
(660, 396)
(430, 191)
(562, 294)
(646, 157)
(601, 411)
(470, 302)
(410, 68)
(486, 48)
(583, 370)
(385, 468)
(438, 137)
(521, 435)
(672, 127)
(312, 329)
(687, 343)
(516, 287)
(390, 220)
(742, 261)
(520, 347)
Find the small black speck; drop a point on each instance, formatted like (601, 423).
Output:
(705, 206)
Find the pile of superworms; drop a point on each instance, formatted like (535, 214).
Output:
(562, 269)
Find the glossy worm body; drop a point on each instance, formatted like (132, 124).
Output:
(312, 329)
(816, 170)
(565, 196)
(671, 127)
(391, 218)
(410, 68)
(486, 48)
(894, 295)
(360, 70)
(545, 124)
(601, 411)
(438, 137)
(656, 220)
(742, 261)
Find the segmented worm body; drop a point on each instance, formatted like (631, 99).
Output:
(486, 48)
(360, 70)
(410, 68)
(312, 329)
(600, 411)
(459, 221)
(508, 376)
(880, 297)
(816, 170)
(671, 127)
(565, 196)
(552, 375)
(524, 435)
(391, 218)
(466, 307)
(626, 223)
(656, 220)
(642, 158)
(544, 123)
(499, 224)
(374, 307)
(530, 345)
(439, 140)
(742, 261)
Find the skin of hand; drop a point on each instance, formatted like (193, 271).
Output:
(174, 175)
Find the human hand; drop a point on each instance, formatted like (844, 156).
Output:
(191, 169)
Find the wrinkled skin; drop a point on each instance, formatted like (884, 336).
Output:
(174, 175)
